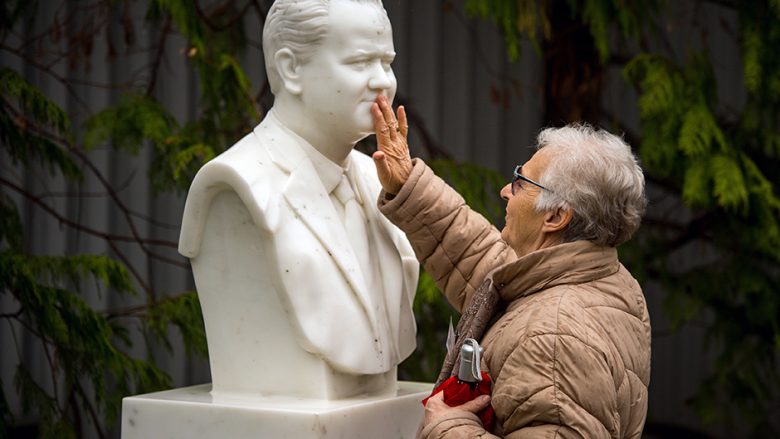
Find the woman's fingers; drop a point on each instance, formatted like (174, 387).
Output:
(380, 160)
(392, 156)
(387, 113)
(380, 127)
(403, 125)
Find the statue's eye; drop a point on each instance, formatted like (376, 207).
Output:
(360, 63)
(387, 64)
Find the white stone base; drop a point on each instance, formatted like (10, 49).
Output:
(193, 413)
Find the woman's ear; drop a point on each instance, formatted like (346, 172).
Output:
(557, 220)
(289, 71)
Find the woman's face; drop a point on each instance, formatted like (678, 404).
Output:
(523, 229)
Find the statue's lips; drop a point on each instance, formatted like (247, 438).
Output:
(373, 99)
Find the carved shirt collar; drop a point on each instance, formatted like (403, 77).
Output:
(329, 172)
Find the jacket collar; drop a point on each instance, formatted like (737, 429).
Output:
(569, 263)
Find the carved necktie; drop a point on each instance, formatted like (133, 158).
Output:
(355, 225)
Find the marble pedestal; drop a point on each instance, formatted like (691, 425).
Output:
(193, 413)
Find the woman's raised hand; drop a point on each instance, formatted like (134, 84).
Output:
(392, 159)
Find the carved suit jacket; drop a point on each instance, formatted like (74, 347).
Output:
(314, 270)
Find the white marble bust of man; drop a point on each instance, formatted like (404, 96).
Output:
(299, 275)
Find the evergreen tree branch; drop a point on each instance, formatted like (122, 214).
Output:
(109, 239)
(11, 319)
(135, 311)
(126, 212)
(96, 420)
(91, 231)
(124, 185)
(52, 372)
(218, 11)
(136, 274)
(477, 46)
(74, 403)
(32, 330)
(159, 55)
(12, 315)
(68, 84)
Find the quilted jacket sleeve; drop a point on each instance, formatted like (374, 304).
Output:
(456, 245)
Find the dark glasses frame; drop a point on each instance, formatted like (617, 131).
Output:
(517, 176)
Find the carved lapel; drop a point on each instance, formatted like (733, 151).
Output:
(306, 196)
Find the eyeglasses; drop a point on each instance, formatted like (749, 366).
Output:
(517, 177)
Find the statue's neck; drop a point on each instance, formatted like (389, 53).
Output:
(336, 148)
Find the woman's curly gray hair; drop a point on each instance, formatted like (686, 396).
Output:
(595, 174)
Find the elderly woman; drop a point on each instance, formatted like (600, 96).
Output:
(569, 350)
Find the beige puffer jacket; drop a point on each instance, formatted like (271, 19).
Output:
(570, 355)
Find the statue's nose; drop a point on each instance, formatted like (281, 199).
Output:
(381, 79)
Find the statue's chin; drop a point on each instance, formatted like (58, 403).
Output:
(363, 130)
(361, 136)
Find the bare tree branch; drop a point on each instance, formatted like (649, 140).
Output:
(82, 228)
(166, 30)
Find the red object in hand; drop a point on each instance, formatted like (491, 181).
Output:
(457, 392)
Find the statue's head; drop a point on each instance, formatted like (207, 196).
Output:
(330, 59)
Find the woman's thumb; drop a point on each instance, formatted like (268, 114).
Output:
(476, 404)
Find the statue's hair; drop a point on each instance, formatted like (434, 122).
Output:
(299, 25)
(596, 175)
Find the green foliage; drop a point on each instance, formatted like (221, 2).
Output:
(32, 101)
(87, 349)
(227, 103)
(10, 224)
(83, 340)
(129, 123)
(184, 313)
(226, 92)
(518, 19)
(30, 124)
(36, 398)
(724, 166)
(138, 119)
(515, 18)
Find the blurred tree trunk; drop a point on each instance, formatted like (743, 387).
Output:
(573, 73)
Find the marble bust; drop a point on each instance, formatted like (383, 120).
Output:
(305, 291)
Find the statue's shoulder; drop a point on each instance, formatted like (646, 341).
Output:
(245, 169)
(248, 162)
(242, 158)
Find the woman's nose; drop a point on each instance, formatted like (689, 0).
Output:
(506, 191)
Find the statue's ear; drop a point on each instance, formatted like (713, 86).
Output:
(289, 70)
